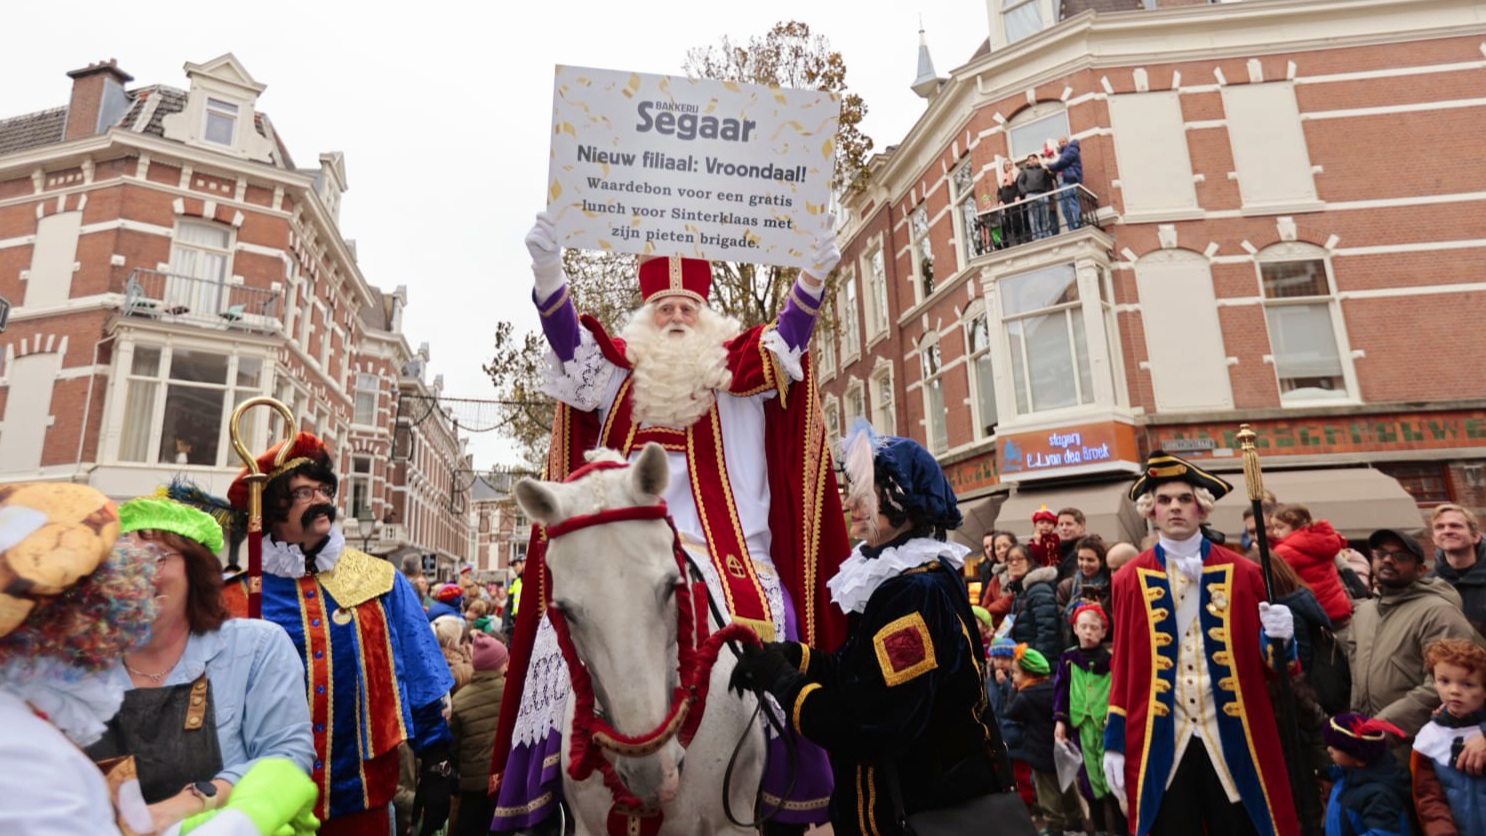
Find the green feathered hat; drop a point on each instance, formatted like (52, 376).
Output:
(151, 513)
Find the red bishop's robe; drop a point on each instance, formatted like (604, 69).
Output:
(805, 518)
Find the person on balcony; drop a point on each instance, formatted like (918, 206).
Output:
(1070, 166)
(1032, 184)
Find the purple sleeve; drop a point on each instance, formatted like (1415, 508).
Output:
(559, 323)
(797, 320)
(1061, 683)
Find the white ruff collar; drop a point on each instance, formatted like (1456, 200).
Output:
(859, 576)
(286, 560)
(77, 702)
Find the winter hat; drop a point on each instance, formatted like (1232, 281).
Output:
(449, 593)
(1003, 648)
(1360, 736)
(150, 513)
(983, 614)
(1031, 661)
(489, 653)
(1044, 515)
(1090, 607)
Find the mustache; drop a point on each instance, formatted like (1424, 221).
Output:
(324, 509)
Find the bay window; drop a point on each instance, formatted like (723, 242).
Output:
(1043, 317)
(933, 368)
(178, 402)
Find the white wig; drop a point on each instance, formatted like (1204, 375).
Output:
(1145, 504)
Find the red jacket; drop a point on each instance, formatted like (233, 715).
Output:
(1312, 551)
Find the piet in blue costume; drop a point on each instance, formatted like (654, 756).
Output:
(374, 672)
(908, 684)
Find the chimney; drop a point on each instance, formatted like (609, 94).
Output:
(96, 90)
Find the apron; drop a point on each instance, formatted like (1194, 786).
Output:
(171, 733)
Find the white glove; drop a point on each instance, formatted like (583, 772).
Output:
(825, 258)
(1114, 774)
(1277, 620)
(546, 256)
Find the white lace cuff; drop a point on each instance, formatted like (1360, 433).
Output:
(789, 358)
(582, 381)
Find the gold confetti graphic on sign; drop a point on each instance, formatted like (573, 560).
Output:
(555, 192)
(779, 95)
(749, 234)
(633, 86)
(566, 128)
(605, 245)
(711, 107)
(733, 86)
(828, 148)
(814, 208)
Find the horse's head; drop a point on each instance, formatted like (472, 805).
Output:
(615, 585)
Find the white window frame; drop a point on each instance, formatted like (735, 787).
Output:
(883, 398)
(362, 478)
(978, 313)
(232, 394)
(222, 109)
(192, 283)
(921, 237)
(961, 196)
(825, 353)
(931, 372)
(1296, 252)
(849, 318)
(855, 403)
(1084, 396)
(830, 411)
(368, 387)
(1034, 115)
(874, 296)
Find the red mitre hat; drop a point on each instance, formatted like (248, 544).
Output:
(305, 449)
(1044, 514)
(674, 275)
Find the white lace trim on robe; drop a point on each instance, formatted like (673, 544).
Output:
(860, 576)
(583, 381)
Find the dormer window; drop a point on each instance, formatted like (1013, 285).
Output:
(221, 121)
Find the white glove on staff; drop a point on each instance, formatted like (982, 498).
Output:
(1277, 620)
(825, 258)
(1114, 774)
(546, 257)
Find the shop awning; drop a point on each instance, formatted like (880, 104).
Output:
(1107, 511)
(1356, 500)
(980, 517)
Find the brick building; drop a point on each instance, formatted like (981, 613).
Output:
(1278, 224)
(501, 528)
(167, 260)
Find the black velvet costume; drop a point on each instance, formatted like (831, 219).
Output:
(907, 684)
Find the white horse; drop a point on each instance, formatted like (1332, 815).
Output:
(614, 584)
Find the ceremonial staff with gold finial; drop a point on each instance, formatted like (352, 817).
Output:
(1307, 802)
(256, 479)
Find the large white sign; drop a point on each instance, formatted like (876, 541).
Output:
(719, 170)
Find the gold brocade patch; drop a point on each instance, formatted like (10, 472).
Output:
(904, 649)
(357, 578)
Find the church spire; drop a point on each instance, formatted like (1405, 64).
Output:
(927, 83)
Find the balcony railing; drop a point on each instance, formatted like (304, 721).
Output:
(1034, 218)
(208, 304)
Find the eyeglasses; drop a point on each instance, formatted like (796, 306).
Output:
(1395, 556)
(304, 494)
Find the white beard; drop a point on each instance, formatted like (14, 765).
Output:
(676, 375)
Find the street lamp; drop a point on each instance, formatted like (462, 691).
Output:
(366, 525)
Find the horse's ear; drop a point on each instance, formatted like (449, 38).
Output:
(537, 499)
(651, 473)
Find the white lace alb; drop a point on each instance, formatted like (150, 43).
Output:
(582, 381)
(860, 575)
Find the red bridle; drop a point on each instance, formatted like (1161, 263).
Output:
(591, 734)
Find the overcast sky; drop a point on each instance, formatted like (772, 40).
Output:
(443, 112)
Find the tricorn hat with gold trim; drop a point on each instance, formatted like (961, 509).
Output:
(1161, 467)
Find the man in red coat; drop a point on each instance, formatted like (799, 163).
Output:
(1191, 743)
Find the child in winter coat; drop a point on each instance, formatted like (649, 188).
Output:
(1451, 802)
(999, 688)
(1081, 708)
(1032, 706)
(1311, 547)
(1371, 793)
(476, 711)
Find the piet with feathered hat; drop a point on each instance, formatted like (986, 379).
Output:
(1187, 604)
(346, 610)
(909, 677)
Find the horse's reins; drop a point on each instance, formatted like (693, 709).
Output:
(591, 733)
